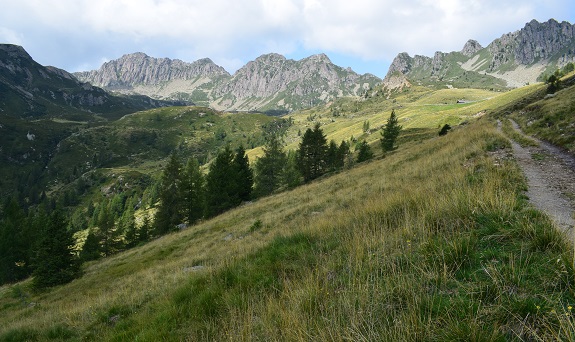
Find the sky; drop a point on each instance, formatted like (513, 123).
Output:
(80, 35)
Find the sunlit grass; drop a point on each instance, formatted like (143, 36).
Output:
(430, 242)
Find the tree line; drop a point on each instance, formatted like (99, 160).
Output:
(40, 242)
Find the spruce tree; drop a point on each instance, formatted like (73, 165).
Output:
(220, 184)
(243, 176)
(342, 152)
(364, 152)
(390, 132)
(55, 260)
(331, 156)
(169, 213)
(91, 249)
(269, 168)
(13, 250)
(194, 192)
(291, 176)
(312, 154)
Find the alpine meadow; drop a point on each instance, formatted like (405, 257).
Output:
(202, 206)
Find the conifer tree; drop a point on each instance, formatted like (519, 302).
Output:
(342, 152)
(390, 132)
(13, 250)
(270, 167)
(291, 176)
(108, 232)
(194, 192)
(91, 249)
(312, 154)
(170, 211)
(128, 225)
(331, 156)
(243, 176)
(144, 231)
(364, 152)
(220, 184)
(55, 261)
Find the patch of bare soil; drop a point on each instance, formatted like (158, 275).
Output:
(550, 174)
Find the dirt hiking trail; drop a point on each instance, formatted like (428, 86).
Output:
(550, 174)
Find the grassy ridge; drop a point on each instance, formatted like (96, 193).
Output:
(434, 242)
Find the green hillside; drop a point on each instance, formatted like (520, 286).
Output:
(434, 241)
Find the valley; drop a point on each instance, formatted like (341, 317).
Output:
(440, 237)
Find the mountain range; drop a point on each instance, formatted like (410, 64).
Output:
(270, 82)
(513, 60)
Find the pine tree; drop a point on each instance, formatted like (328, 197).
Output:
(390, 132)
(291, 176)
(331, 156)
(91, 249)
(364, 152)
(13, 250)
(108, 233)
(144, 231)
(128, 225)
(269, 168)
(170, 211)
(220, 184)
(55, 260)
(342, 152)
(194, 192)
(243, 176)
(312, 154)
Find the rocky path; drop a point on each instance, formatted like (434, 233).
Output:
(550, 174)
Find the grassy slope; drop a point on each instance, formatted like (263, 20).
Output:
(433, 242)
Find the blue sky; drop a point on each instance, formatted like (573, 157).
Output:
(365, 35)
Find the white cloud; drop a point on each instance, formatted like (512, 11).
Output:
(9, 36)
(236, 31)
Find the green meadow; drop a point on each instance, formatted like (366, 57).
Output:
(433, 242)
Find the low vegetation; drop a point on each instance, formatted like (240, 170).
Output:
(432, 241)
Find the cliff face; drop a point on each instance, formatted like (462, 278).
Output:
(139, 69)
(269, 82)
(512, 60)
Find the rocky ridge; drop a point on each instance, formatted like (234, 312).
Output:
(270, 82)
(512, 60)
(29, 90)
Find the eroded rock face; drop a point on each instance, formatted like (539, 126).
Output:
(270, 81)
(520, 55)
(471, 48)
(141, 69)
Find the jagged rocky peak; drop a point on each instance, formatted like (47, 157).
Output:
(319, 58)
(140, 69)
(471, 48)
(401, 63)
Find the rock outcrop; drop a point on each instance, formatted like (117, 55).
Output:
(270, 82)
(512, 60)
(28, 89)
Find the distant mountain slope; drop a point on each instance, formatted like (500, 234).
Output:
(512, 60)
(30, 90)
(271, 82)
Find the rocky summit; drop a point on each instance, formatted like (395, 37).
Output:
(269, 83)
(513, 60)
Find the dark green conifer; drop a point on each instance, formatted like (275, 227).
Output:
(170, 212)
(364, 152)
(55, 261)
(312, 153)
(389, 133)
(194, 192)
(270, 167)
